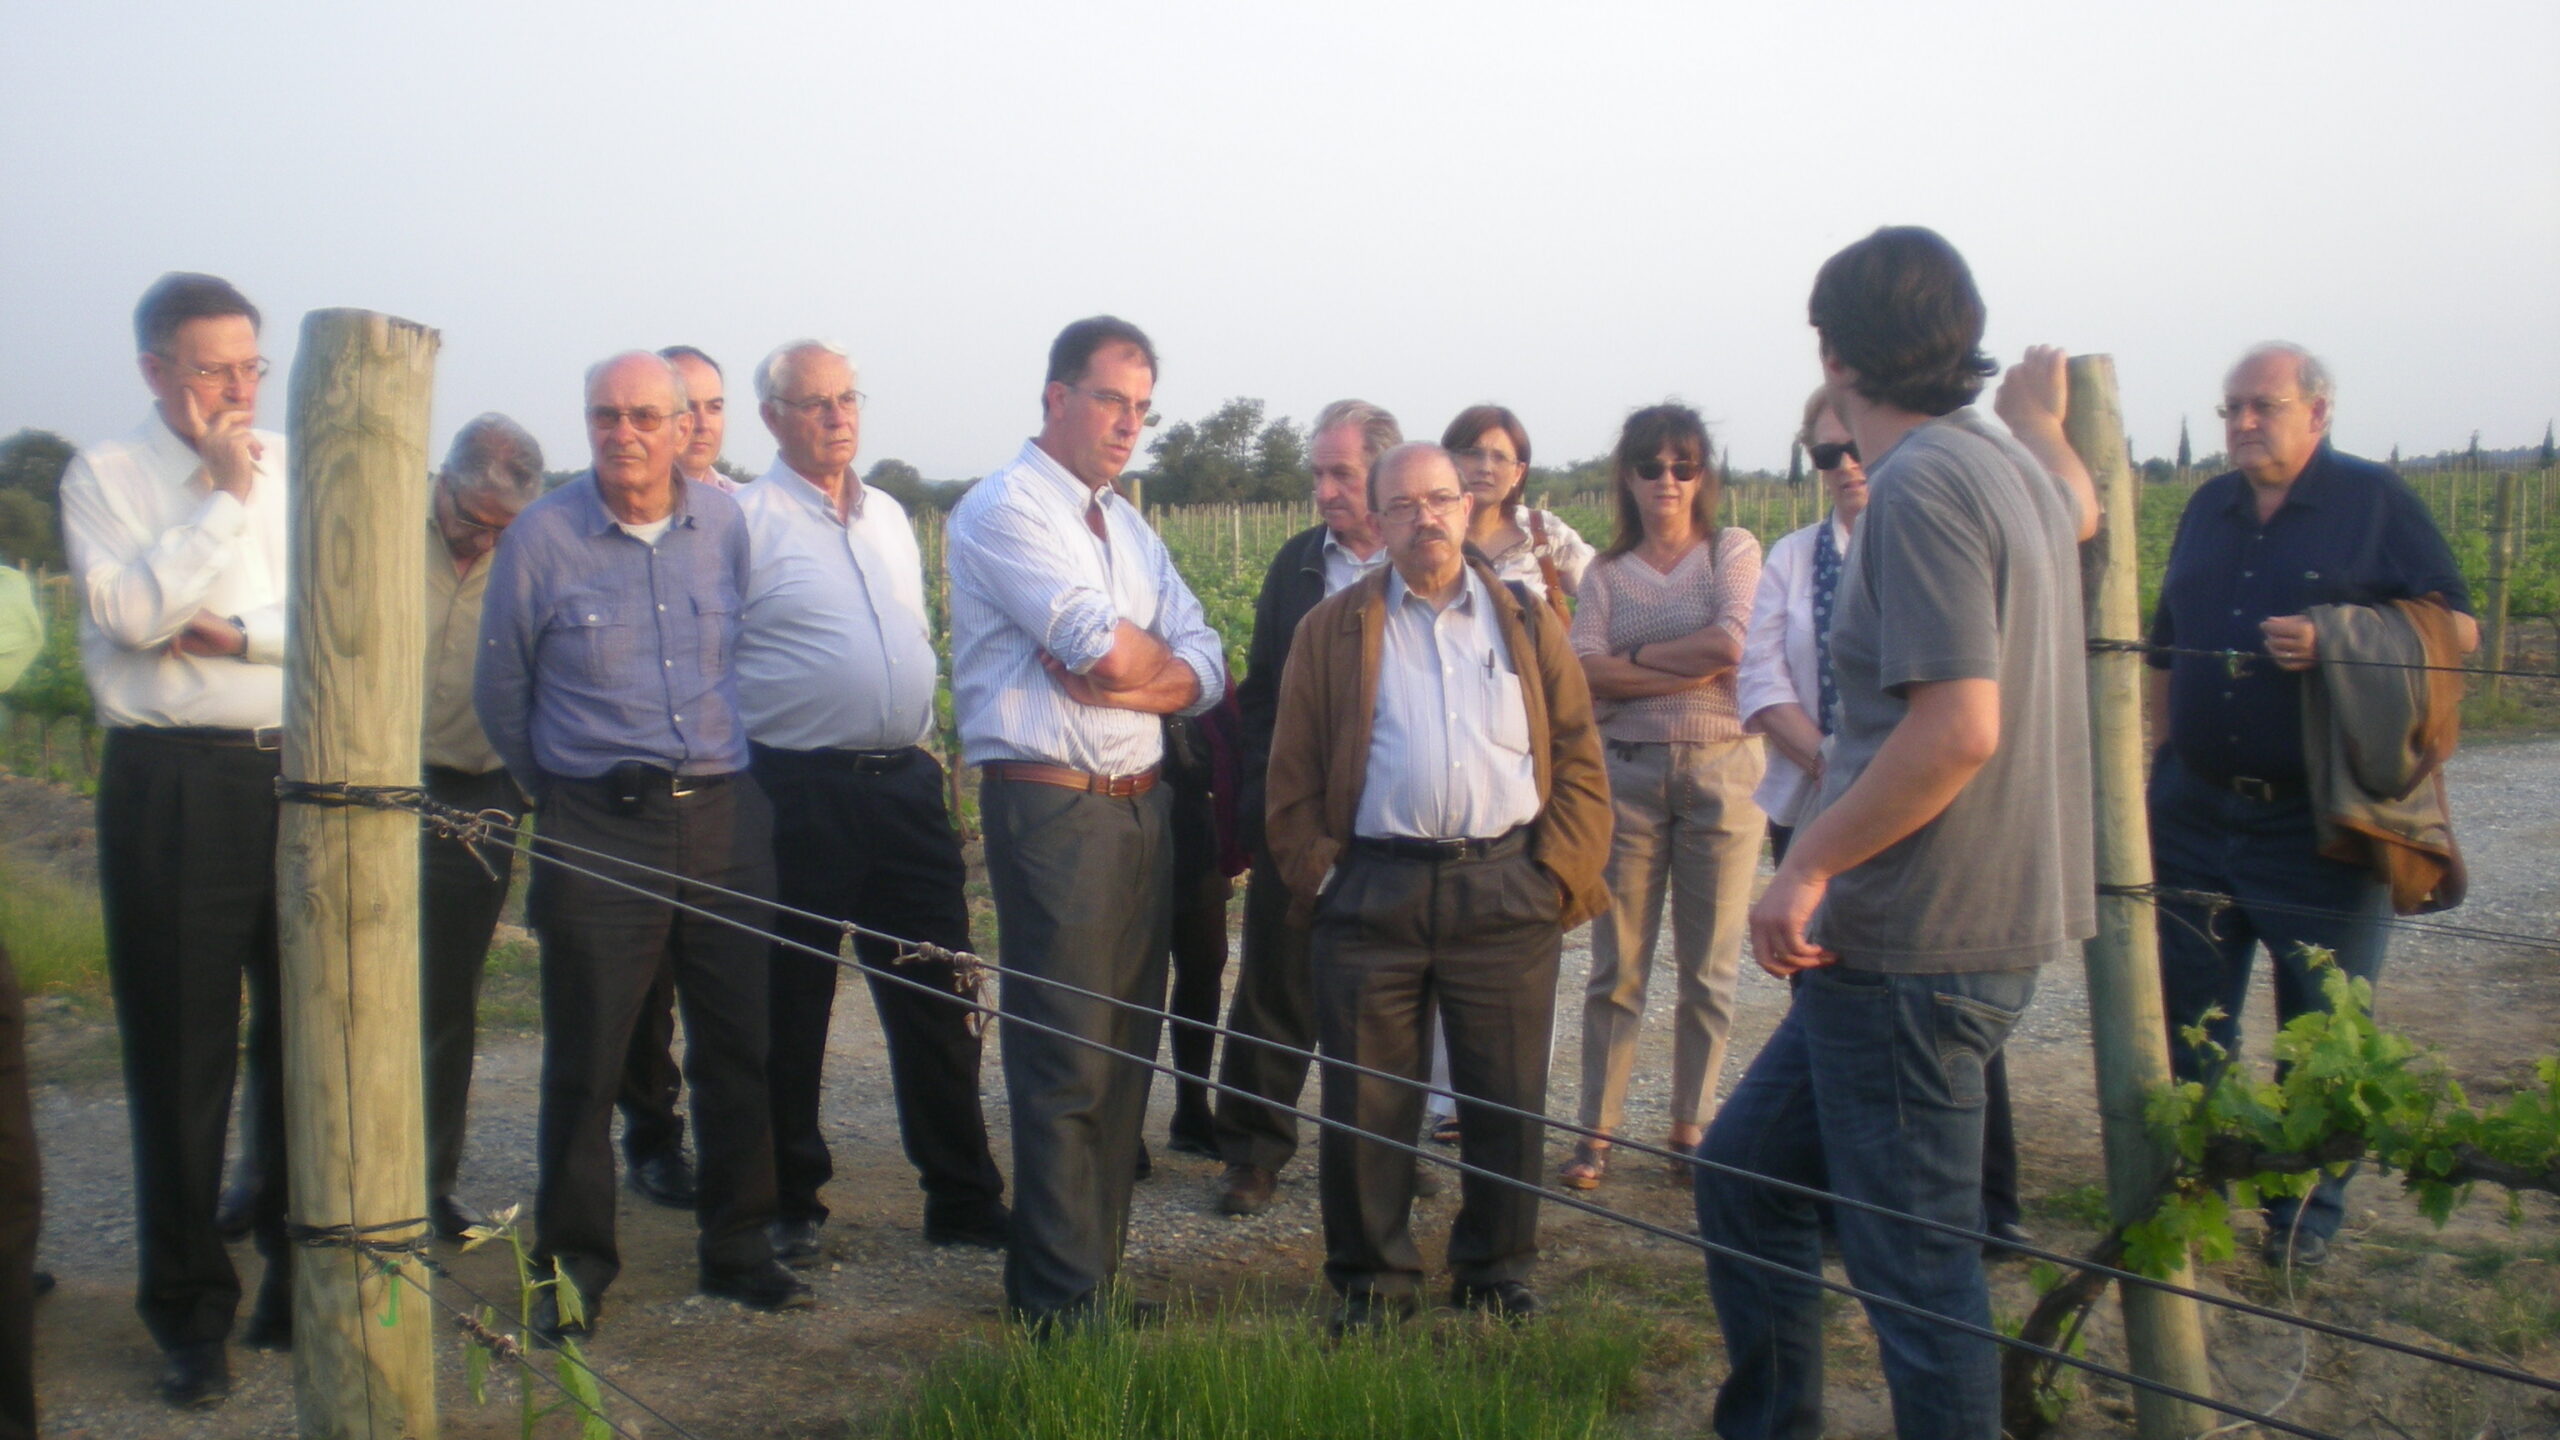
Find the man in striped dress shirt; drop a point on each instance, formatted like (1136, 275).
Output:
(1071, 633)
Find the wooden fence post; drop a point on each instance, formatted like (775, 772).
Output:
(2502, 555)
(348, 877)
(2127, 1018)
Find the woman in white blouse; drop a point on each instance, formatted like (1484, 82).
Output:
(1783, 672)
(1659, 628)
(1530, 546)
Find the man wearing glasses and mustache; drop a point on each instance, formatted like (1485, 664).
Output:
(606, 683)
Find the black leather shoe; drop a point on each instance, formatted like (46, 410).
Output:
(1503, 1299)
(1194, 1131)
(795, 1242)
(44, 1283)
(666, 1177)
(2301, 1249)
(2010, 1233)
(759, 1287)
(193, 1377)
(1246, 1189)
(270, 1324)
(546, 1326)
(236, 1214)
(1364, 1310)
(1146, 1162)
(987, 1229)
(451, 1216)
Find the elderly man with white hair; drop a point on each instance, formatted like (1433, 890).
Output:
(607, 683)
(836, 677)
(2293, 525)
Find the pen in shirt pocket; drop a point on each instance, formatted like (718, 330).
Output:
(1488, 664)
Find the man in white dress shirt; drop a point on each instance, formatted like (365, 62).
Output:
(835, 676)
(177, 541)
(1071, 633)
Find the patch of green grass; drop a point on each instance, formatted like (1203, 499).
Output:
(2506, 1302)
(511, 986)
(2081, 1205)
(55, 935)
(1257, 1371)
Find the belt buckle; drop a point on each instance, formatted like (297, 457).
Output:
(2250, 787)
(1447, 849)
(266, 737)
(679, 786)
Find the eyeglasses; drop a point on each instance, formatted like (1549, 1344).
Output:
(1492, 459)
(849, 402)
(2262, 406)
(1829, 454)
(246, 372)
(1115, 401)
(1406, 510)
(1684, 471)
(644, 418)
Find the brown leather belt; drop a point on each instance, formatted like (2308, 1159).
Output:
(1119, 787)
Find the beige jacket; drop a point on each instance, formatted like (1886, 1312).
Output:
(1320, 744)
(2375, 737)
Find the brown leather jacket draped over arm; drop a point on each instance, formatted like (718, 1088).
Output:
(1320, 744)
(2376, 732)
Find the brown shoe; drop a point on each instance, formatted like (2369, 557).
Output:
(1246, 1189)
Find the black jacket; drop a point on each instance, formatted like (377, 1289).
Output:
(1290, 588)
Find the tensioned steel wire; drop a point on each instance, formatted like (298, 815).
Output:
(2108, 646)
(484, 827)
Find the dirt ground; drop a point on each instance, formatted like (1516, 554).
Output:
(888, 1302)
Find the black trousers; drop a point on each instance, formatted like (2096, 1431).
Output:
(1274, 999)
(1477, 940)
(1196, 946)
(870, 839)
(602, 948)
(1079, 883)
(187, 872)
(651, 1124)
(21, 1215)
(1999, 1124)
(458, 904)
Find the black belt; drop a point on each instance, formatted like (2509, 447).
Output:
(2250, 787)
(1405, 847)
(635, 780)
(265, 737)
(860, 762)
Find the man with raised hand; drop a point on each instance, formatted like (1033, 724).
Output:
(2295, 524)
(1947, 862)
(492, 472)
(177, 542)
(836, 676)
(607, 684)
(1437, 804)
(1071, 634)
(1274, 998)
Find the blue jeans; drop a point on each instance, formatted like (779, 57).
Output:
(1877, 1081)
(2206, 837)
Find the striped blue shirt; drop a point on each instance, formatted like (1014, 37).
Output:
(1028, 576)
(597, 647)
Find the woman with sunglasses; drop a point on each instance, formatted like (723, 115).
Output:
(1530, 546)
(1660, 628)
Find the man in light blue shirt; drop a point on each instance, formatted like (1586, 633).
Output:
(1071, 634)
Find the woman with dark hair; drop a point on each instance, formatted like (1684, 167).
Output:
(1530, 546)
(1660, 628)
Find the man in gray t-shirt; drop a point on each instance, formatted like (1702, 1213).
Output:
(1948, 861)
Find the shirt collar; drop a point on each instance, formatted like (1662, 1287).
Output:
(1465, 602)
(600, 520)
(1071, 489)
(798, 486)
(1333, 546)
(2304, 493)
(167, 449)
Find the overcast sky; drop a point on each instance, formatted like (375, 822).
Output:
(1570, 208)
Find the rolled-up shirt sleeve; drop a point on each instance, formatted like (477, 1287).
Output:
(1184, 628)
(140, 595)
(502, 680)
(1000, 553)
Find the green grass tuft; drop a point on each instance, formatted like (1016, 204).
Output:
(1258, 1371)
(54, 934)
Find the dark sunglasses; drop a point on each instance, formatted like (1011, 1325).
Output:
(1684, 472)
(1828, 456)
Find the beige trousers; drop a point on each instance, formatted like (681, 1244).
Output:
(1686, 828)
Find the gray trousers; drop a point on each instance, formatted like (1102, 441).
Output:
(458, 909)
(1082, 888)
(1478, 938)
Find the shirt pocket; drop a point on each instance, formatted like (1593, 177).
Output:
(593, 640)
(715, 621)
(1506, 710)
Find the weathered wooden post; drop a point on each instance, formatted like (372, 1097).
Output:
(348, 876)
(2127, 1019)
(2502, 559)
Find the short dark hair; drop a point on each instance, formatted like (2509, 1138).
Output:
(1071, 354)
(1899, 308)
(1470, 426)
(181, 296)
(1642, 438)
(689, 352)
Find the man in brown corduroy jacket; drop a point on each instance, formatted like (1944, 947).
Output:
(1437, 805)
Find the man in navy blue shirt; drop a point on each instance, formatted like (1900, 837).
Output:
(606, 683)
(2295, 525)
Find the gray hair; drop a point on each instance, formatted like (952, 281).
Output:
(1379, 432)
(2309, 373)
(780, 363)
(1397, 455)
(494, 456)
(675, 377)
